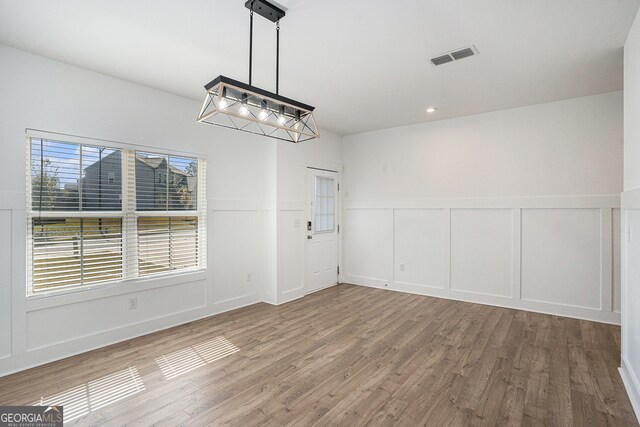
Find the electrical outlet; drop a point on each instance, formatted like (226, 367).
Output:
(402, 267)
(133, 303)
(248, 277)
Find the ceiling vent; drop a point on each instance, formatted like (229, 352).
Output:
(455, 55)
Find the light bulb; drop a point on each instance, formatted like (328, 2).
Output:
(263, 114)
(223, 103)
(244, 110)
(281, 118)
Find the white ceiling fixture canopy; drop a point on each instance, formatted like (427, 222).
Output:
(236, 105)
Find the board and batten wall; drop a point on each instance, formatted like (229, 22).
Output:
(516, 208)
(630, 366)
(242, 192)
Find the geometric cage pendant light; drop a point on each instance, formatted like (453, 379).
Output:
(240, 106)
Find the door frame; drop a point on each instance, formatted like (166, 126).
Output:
(329, 167)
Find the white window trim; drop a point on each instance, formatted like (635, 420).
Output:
(129, 282)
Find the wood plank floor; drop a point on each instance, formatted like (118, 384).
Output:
(349, 356)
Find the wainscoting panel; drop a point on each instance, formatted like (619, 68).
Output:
(481, 251)
(419, 243)
(617, 260)
(234, 254)
(561, 261)
(291, 254)
(366, 243)
(57, 325)
(557, 255)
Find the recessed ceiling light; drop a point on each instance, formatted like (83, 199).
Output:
(431, 110)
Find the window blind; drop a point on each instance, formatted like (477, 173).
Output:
(101, 214)
(75, 251)
(167, 243)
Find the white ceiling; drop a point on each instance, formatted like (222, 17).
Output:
(363, 64)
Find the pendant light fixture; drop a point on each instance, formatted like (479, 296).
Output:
(240, 106)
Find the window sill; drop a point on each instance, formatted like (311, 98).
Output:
(95, 292)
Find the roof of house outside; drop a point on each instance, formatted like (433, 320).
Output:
(153, 162)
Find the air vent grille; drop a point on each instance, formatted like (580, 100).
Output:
(463, 53)
(441, 59)
(455, 55)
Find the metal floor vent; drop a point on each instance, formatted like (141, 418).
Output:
(455, 55)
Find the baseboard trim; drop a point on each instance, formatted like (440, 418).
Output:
(496, 301)
(295, 294)
(632, 385)
(289, 296)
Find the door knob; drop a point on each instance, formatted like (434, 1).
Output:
(309, 236)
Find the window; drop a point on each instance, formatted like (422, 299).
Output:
(324, 210)
(167, 229)
(101, 214)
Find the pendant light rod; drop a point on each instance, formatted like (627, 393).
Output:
(273, 13)
(250, 40)
(278, 57)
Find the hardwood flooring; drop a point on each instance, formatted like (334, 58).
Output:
(349, 356)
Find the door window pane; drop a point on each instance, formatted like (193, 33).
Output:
(324, 211)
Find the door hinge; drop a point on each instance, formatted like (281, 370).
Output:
(338, 269)
(338, 186)
(338, 228)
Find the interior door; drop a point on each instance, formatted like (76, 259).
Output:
(322, 229)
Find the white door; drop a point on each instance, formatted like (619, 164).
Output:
(321, 269)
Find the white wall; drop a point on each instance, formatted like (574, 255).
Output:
(630, 366)
(242, 191)
(517, 208)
